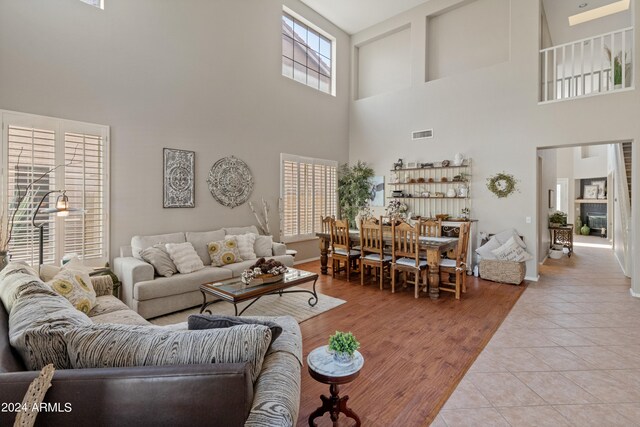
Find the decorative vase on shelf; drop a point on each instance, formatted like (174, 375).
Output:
(578, 225)
(458, 159)
(463, 190)
(343, 358)
(585, 230)
(451, 192)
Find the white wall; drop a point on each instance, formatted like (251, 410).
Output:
(547, 181)
(491, 114)
(590, 162)
(467, 38)
(384, 64)
(192, 74)
(564, 161)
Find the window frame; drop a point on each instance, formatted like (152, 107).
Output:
(99, 6)
(312, 161)
(331, 38)
(61, 127)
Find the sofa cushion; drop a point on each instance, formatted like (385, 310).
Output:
(486, 251)
(184, 256)
(107, 304)
(241, 230)
(263, 246)
(158, 256)
(76, 287)
(212, 321)
(201, 239)
(245, 245)
(237, 268)
(37, 324)
(224, 252)
(105, 346)
(121, 317)
(504, 236)
(139, 243)
(511, 251)
(12, 278)
(178, 283)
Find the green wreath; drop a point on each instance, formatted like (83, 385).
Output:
(502, 184)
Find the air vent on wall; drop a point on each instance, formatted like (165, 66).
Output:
(422, 134)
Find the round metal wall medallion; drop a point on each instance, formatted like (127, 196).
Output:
(230, 182)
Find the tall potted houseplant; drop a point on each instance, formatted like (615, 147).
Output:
(354, 189)
(616, 68)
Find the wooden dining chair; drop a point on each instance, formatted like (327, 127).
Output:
(456, 268)
(341, 250)
(405, 254)
(430, 227)
(372, 250)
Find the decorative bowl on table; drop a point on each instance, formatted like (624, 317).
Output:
(442, 217)
(263, 272)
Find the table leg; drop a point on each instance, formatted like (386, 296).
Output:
(324, 254)
(433, 260)
(334, 405)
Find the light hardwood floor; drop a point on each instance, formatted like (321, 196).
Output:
(567, 354)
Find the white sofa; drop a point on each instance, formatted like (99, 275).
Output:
(152, 296)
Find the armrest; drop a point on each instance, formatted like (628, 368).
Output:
(279, 249)
(131, 271)
(193, 395)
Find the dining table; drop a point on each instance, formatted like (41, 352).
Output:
(433, 247)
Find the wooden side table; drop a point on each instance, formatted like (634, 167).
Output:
(323, 368)
(562, 235)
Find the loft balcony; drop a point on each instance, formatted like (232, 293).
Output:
(591, 66)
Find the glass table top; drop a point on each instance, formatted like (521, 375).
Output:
(236, 287)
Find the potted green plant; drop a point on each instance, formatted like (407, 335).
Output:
(343, 345)
(557, 219)
(354, 189)
(616, 66)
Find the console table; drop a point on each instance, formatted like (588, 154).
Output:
(562, 235)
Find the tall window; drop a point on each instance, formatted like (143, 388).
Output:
(307, 54)
(32, 149)
(308, 192)
(96, 3)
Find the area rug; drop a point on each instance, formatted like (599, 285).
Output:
(295, 305)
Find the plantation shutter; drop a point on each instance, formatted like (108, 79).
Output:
(84, 185)
(308, 192)
(30, 154)
(32, 146)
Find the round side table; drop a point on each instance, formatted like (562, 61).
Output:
(324, 369)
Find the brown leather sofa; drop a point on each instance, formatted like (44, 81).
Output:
(189, 395)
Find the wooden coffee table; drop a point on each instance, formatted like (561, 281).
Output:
(235, 292)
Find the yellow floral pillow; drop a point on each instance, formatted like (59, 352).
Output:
(224, 252)
(76, 287)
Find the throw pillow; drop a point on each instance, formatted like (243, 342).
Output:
(115, 346)
(245, 245)
(505, 235)
(185, 257)
(511, 251)
(39, 319)
(76, 287)
(224, 252)
(202, 321)
(485, 251)
(158, 257)
(262, 246)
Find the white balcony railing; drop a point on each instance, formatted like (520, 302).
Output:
(585, 66)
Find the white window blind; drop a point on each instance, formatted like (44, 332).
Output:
(33, 145)
(308, 192)
(96, 3)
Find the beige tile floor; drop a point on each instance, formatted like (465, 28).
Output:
(568, 354)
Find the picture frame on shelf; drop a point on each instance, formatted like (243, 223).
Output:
(590, 192)
(602, 188)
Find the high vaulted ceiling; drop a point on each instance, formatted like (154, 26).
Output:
(558, 12)
(354, 16)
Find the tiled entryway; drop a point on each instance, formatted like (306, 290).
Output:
(567, 354)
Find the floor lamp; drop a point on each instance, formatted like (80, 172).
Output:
(62, 208)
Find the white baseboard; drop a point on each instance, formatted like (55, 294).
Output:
(545, 258)
(532, 279)
(302, 261)
(634, 294)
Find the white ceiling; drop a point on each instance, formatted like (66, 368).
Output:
(354, 16)
(558, 12)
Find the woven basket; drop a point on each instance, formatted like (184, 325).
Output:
(512, 272)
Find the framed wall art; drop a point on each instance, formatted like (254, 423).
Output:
(179, 178)
(230, 182)
(590, 192)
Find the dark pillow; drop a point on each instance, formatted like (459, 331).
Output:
(212, 321)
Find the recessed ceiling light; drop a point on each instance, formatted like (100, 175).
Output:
(583, 5)
(599, 12)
